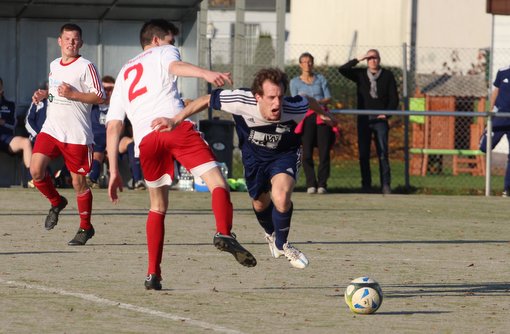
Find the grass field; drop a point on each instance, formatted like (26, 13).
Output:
(442, 262)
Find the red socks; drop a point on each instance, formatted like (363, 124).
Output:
(84, 201)
(47, 188)
(155, 229)
(223, 210)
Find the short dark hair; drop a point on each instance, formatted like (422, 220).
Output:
(108, 79)
(306, 55)
(274, 75)
(156, 27)
(70, 27)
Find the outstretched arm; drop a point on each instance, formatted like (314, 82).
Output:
(326, 116)
(183, 69)
(113, 131)
(163, 124)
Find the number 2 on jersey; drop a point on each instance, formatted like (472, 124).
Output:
(133, 92)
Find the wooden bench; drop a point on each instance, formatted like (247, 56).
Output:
(464, 161)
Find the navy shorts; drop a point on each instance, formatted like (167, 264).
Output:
(5, 140)
(100, 142)
(258, 174)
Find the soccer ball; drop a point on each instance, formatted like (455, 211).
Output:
(363, 295)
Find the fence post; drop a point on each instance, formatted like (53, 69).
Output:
(488, 155)
(406, 118)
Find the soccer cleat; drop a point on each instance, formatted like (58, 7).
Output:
(52, 218)
(152, 282)
(505, 193)
(270, 238)
(228, 243)
(322, 190)
(295, 257)
(81, 237)
(311, 190)
(139, 185)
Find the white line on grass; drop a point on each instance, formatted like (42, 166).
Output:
(131, 307)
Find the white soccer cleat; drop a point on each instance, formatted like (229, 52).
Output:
(295, 257)
(275, 252)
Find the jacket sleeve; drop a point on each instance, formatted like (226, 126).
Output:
(348, 71)
(31, 121)
(393, 99)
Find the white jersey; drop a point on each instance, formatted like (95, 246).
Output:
(69, 121)
(145, 90)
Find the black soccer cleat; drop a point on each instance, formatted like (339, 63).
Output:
(52, 218)
(152, 282)
(82, 236)
(228, 243)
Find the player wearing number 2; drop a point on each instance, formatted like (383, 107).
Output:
(146, 89)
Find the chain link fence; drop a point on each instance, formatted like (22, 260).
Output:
(443, 152)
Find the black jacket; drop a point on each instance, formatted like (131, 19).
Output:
(386, 88)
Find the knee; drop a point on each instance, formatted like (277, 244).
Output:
(37, 173)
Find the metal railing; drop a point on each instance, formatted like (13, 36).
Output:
(407, 113)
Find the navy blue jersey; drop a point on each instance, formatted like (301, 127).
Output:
(259, 139)
(502, 103)
(98, 117)
(8, 115)
(36, 115)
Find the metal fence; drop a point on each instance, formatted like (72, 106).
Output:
(434, 79)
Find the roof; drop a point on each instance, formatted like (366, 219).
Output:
(452, 85)
(138, 10)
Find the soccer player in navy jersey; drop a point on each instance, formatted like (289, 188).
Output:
(265, 123)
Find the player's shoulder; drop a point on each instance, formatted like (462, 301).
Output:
(298, 99)
(504, 69)
(240, 95)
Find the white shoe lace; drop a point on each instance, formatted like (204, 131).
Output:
(296, 258)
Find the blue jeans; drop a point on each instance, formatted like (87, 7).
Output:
(378, 130)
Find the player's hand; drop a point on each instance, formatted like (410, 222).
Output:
(39, 95)
(218, 79)
(114, 184)
(381, 117)
(329, 120)
(163, 124)
(65, 90)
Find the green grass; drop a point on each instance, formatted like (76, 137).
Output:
(345, 178)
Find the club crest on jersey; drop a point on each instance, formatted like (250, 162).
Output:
(50, 97)
(264, 139)
(281, 128)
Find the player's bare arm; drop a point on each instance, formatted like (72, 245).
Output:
(326, 116)
(39, 95)
(69, 92)
(113, 131)
(183, 69)
(163, 124)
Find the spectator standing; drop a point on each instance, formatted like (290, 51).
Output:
(376, 90)
(10, 143)
(145, 89)
(314, 132)
(74, 86)
(500, 102)
(265, 123)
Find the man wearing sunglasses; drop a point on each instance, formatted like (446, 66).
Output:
(376, 90)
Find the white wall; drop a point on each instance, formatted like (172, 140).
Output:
(333, 22)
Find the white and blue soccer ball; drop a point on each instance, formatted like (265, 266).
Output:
(363, 295)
